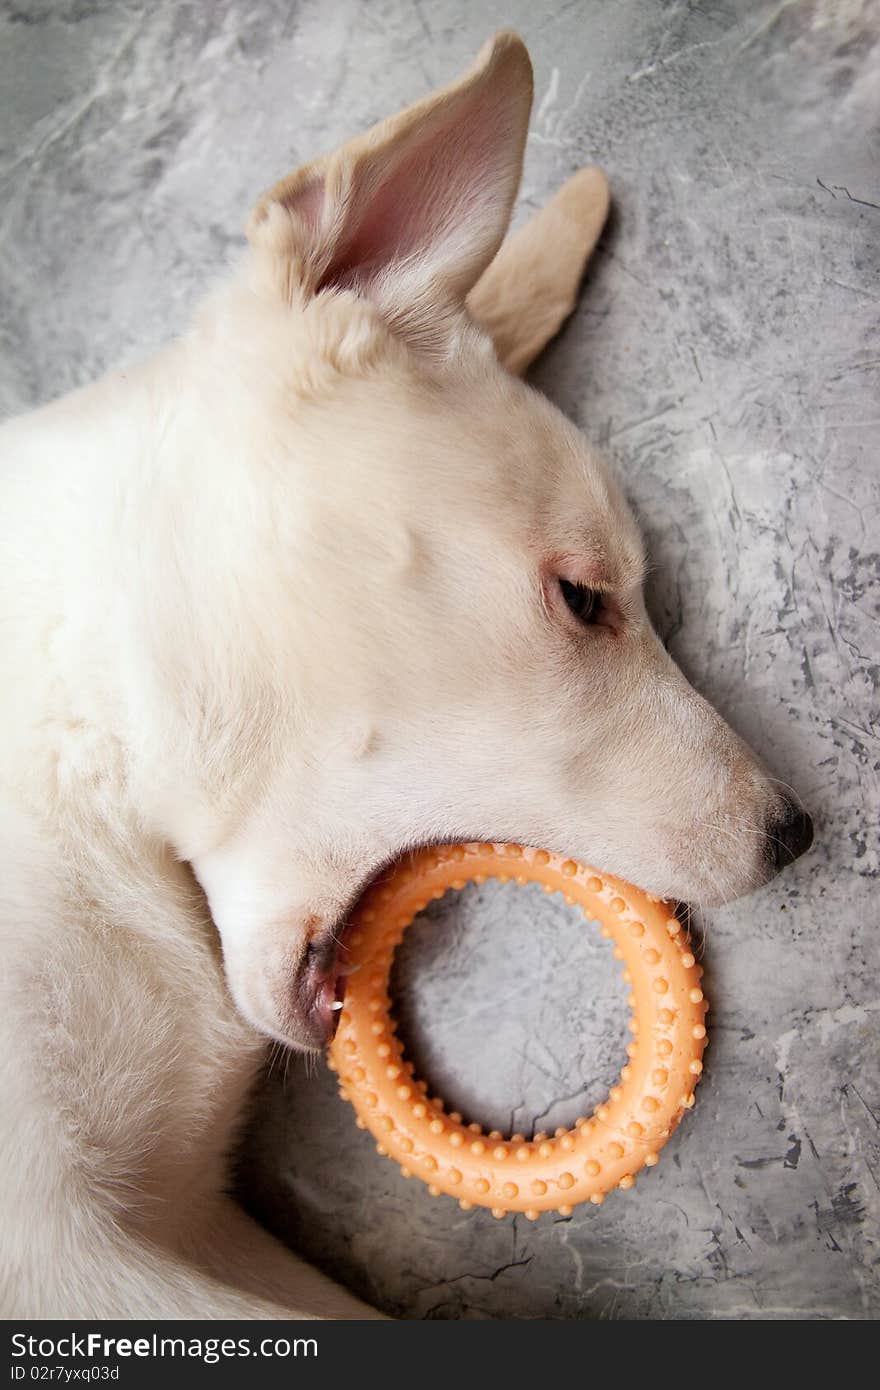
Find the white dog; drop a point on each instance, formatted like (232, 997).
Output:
(322, 581)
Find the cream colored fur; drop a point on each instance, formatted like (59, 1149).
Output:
(276, 605)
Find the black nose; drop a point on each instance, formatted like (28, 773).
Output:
(789, 836)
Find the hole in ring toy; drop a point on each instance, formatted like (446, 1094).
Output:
(547, 1173)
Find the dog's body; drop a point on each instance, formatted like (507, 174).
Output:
(292, 597)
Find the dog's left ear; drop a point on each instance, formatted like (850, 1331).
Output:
(410, 213)
(531, 287)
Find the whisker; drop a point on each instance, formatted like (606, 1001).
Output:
(747, 830)
(789, 788)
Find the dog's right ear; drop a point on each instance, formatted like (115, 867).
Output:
(410, 214)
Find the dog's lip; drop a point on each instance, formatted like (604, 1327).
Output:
(321, 983)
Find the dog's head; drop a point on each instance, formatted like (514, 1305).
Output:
(414, 602)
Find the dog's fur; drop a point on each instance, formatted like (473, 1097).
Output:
(276, 606)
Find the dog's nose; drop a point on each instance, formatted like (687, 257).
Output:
(790, 835)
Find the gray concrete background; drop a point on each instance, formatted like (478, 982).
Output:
(725, 356)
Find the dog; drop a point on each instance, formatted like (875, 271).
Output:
(323, 581)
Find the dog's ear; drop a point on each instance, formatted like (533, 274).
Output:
(410, 213)
(531, 286)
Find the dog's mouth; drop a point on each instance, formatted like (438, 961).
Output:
(320, 985)
(319, 988)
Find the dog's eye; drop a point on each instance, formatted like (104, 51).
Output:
(584, 603)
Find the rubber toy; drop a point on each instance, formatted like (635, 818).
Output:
(602, 1151)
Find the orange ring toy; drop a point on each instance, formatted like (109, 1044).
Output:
(547, 1173)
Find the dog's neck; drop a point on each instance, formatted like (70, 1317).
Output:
(105, 563)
